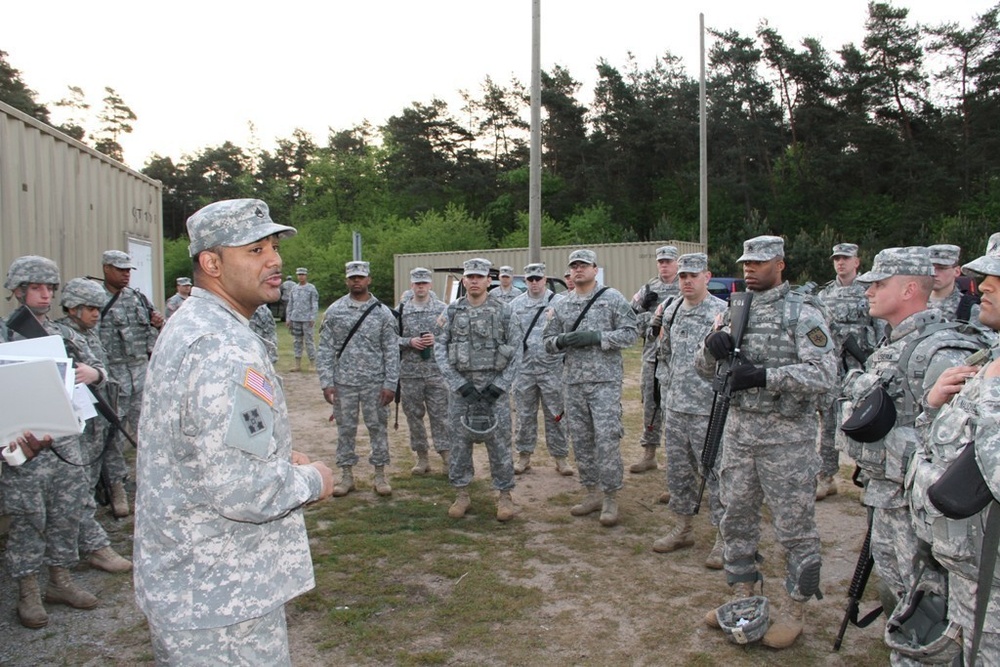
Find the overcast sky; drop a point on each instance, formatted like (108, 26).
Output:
(197, 73)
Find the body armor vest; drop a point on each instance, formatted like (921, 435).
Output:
(477, 335)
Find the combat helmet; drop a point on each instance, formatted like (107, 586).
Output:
(744, 620)
(919, 627)
(83, 292)
(32, 269)
(479, 420)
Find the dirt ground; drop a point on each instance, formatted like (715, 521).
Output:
(633, 606)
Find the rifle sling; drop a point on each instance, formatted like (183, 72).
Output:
(110, 303)
(534, 321)
(987, 564)
(354, 329)
(587, 307)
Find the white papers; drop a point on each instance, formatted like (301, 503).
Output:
(45, 347)
(33, 398)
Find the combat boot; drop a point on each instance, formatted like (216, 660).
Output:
(664, 497)
(562, 467)
(422, 466)
(107, 559)
(647, 462)
(523, 463)
(461, 504)
(505, 507)
(591, 503)
(681, 536)
(609, 510)
(63, 590)
(29, 604)
(297, 368)
(346, 483)
(381, 485)
(741, 589)
(119, 501)
(826, 485)
(788, 627)
(714, 559)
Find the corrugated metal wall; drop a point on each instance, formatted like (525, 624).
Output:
(626, 266)
(64, 200)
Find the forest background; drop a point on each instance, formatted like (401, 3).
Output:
(893, 141)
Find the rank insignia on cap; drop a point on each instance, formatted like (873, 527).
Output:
(253, 421)
(259, 385)
(817, 337)
(259, 212)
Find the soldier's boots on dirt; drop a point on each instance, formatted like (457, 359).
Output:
(647, 462)
(107, 559)
(505, 507)
(591, 503)
(826, 485)
(381, 485)
(680, 537)
(562, 467)
(784, 631)
(346, 483)
(422, 466)
(609, 510)
(461, 505)
(741, 589)
(298, 366)
(29, 603)
(119, 501)
(664, 497)
(714, 559)
(523, 463)
(63, 590)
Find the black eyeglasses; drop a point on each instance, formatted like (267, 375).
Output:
(532, 279)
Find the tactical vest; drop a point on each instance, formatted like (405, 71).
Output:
(898, 370)
(477, 335)
(847, 313)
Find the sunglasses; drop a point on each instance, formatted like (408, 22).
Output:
(532, 279)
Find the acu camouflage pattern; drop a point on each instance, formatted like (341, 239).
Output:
(594, 376)
(421, 385)
(258, 641)
(948, 307)
(262, 324)
(301, 312)
(369, 364)
(539, 381)
(219, 533)
(173, 303)
(506, 296)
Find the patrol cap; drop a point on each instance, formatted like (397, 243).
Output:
(477, 266)
(667, 252)
(117, 259)
(420, 275)
(289, 277)
(693, 262)
(534, 270)
(301, 271)
(988, 264)
(944, 254)
(909, 261)
(583, 255)
(83, 292)
(762, 249)
(232, 223)
(506, 270)
(567, 274)
(845, 250)
(183, 282)
(356, 269)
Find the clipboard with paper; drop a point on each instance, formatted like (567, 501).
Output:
(33, 398)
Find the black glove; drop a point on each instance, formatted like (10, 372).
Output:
(746, 376)
(719, 344)
(492, 393)
(469, 392)
(650, 300)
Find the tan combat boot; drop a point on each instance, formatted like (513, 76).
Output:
(784, 631)
(422, 466)
(562, 467)
(826, 485)
(714, 559)
(63, 590)
(297, 368)
(461, 504)
(609, 510)
(381, 485)
(505, 507)
(591, 503)
(742, 589)
(29, 604)
(681, 536)
(109, 560)
(664, 497)
(647, 462)
(119, 501)
(346, 483)
(523, 463)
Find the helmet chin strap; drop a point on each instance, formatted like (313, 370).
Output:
(38, 311)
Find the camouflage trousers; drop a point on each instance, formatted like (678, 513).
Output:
(529, 391)
(44, 500)
(962, 609)
(781, 474)
(829, 455)
(349, 403)
(259, 641)
(894, 548)
(461, 469)
(303, 331)
(426, 396)
(92, 534)
(131, 381)
(594, 422)
(684, 437)
(652, 418)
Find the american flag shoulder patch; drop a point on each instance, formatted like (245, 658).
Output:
(259, 385)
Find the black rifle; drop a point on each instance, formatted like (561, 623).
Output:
(739, 304)
(857, 588)
(852, 348)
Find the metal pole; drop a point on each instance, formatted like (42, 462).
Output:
(356, 246)
(703, 143)
(535, 162)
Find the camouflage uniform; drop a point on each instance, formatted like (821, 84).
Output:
(421, 385)
(286, 292)
(505, 296)
(370, 363)
(948, 307)
(220, 541)
(174, 302)
(262, 324)
(539, 380)
(303, 307)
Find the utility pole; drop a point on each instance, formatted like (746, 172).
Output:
(535, 162)
(702, 143)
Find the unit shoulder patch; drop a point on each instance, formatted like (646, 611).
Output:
(818, 337)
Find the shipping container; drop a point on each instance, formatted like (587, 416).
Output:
(66, 201)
